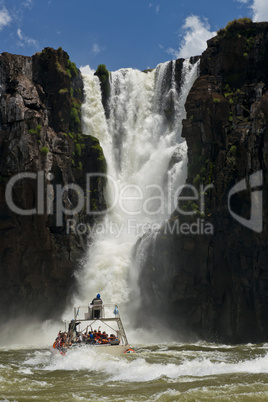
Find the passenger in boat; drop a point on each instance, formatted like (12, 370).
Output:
(97, 298)
(60, 340)
(91, 338)
(94, 334)
(97, 307)
(104, 337)
(64, 337)
(114, 340)
(98, 334)
(72, 329)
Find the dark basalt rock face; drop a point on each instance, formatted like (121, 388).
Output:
(215, 287)
(104, 76)
(41, 132)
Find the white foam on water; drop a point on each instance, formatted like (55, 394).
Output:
(169, 393)
(25, 371)
(135, 368)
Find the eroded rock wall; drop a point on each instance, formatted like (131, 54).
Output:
(41, 132)
(215, 286)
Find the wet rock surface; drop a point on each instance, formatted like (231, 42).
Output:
(215, 286)
(40, 136)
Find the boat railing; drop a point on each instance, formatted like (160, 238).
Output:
(96, 311)
(104, 312)
(84, 317)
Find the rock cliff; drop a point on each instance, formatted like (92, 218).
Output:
(41, 135)
(215, 286)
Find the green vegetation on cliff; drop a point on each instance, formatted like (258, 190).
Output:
(75, 116)
(44, 151)
(104, 75)
(98, 152)
(72, 70)
(36, 131)
(241, 26)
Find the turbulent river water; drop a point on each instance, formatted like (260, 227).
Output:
(157, 372)
(147, 160)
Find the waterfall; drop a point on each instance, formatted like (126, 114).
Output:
(146, 159)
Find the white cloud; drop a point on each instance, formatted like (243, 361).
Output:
(96, 49)
(260, 10)
(5, 18)
(24, 40)
(28, 4)
(194, 42)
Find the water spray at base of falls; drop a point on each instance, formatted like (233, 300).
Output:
(147, 161)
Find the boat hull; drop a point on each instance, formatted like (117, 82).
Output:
(114, 350)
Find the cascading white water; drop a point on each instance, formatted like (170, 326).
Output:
(146, 159)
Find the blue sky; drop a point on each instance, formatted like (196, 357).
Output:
(119, 33)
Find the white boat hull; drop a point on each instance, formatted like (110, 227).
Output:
(114, 350)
